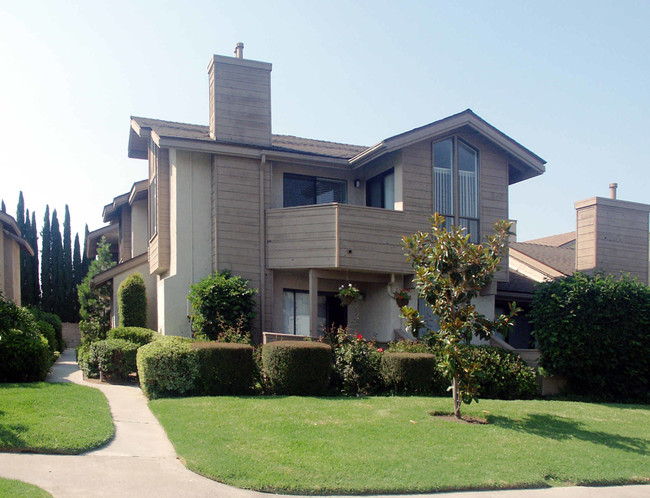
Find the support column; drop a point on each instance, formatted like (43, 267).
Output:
(313, 303)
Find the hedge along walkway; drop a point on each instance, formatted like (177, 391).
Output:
(140, 460)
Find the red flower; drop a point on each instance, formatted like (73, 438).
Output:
(360, 337)
(381, 350)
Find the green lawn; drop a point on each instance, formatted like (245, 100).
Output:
(392, 444)
(9, 487)
(53, 418)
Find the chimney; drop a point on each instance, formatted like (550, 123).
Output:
(239, 50)
(240, 99)
(612, 190)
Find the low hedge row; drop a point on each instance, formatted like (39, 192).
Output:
(224, 368)
(137, 335)
(297, 367)
(412, 373)
(110, 358)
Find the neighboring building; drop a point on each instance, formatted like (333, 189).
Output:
(127, 236)
(299, 217)
(11, 243)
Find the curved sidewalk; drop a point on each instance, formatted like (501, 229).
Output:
(141, 462)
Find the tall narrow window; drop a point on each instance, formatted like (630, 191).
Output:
(455, 167)
(300, 190)
(153, 191)
(380, 190)
(295, 312)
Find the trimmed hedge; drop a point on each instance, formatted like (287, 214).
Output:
(53, 320)
(137, 335)
(132, 301)
(24, 356)
(412, 373)
(113, 358)
(297, 367)
(47, 331)
(168, 367)
(224, 368)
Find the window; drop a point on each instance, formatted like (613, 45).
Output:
(300, 190)
(380, 190)
(455, 176)
(295, 312)
(153, 192)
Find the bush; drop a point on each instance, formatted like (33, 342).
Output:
(53, 320)
(503, 374)
(87, 361)
(47, 331)
(297, 367)
(168, 367)
(412, 373)
(137, 335)
(112, 358)
(221, 303)
(595, 332)
(132, 301)
(224, 368)
(24, 356)
(356, 365)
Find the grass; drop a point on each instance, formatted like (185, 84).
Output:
(53, 418)
(9, 487)
(393, 445)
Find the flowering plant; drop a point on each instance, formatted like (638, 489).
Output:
(349, 291)
(402, 294)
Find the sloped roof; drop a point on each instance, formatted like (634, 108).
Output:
(559, 240)
(561, 259)
(10, 227)
(517, 284)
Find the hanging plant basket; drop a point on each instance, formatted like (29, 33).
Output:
(402, 301)
(346, 300)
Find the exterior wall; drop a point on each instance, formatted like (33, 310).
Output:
(125, 245)
(159, 245)
(150, 283)
(139, 228)
(2, 262)
(10, 272)
(190, 243)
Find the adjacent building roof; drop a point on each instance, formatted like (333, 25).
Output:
(9, 226)
(523, 163)
(561, 259)
(559, 240)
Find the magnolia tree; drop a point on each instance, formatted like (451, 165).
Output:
(450, 271)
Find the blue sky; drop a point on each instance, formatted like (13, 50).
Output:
(568, 80)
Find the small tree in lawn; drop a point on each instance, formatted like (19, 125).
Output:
(450, 271)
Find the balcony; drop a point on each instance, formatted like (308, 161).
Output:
(337, 236)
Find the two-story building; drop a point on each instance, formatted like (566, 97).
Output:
(11, 243)
(299, 217)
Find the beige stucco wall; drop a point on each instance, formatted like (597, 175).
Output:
(10, 263)
(150, 284)
(190, 239)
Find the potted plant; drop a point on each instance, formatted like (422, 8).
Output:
(402, 297)
(348, 294)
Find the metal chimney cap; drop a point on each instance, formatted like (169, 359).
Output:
(612, 190)
(239, 50)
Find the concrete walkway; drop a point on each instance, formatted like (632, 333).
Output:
(141, 462)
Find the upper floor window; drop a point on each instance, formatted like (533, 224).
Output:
(455, 176)
(153, 191)
(380, 190)
(301, 190)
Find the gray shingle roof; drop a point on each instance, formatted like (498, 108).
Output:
(559, 240)
(561, 259)
(286, 143)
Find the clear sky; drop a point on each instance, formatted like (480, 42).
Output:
(569, 80)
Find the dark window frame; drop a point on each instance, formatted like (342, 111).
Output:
(315, 179)
(380, 178)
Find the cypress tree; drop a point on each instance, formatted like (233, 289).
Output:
(58, 290)
(24, 257)
(46, 262)
(85, 260)
(3, 208)
(68, 281)
(26, 267)
(20, 213)
(77, 272)
(33, 240)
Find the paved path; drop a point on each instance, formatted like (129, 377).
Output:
(140, 461)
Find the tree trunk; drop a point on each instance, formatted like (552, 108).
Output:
(456, 396)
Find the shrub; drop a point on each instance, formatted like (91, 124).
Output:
(595, 331)
(87, 361)
(224, 368)
(24, 356)
(53, 320)
(297, 367)
(13, 316)
(47, 331)
(132, 301)
(412, 373)
(168, 367)
(220, 303)
(356, 365)
(137, 335)
(503, 374)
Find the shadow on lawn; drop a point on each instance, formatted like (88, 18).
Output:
(560, 429)
(10, 439)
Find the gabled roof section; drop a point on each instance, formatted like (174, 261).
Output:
(138, 191)
(560, 259)
(524, 163)
(559, 240)
(10, 228)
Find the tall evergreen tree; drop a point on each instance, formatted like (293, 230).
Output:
(85, 260)
(69, 290)
(77, 272)
(20, 213)
(26, 267)
(3, 208)
(24, 257)
(58, 290)
(46, 262)
(33, 240)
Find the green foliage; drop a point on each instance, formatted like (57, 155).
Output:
(57, 304)
(137, 335)
(503, 374)
(168, 367)
(356, 363)
(54, 320)
(595, 331)
(46, 262)
(450, 271)
(221, 302)
(47, 331)
(412, 373)
(132, 301)
(87, 361)
(224, 368)
(24, 353)
(95, 302)
(297, 367)
(116, 358)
